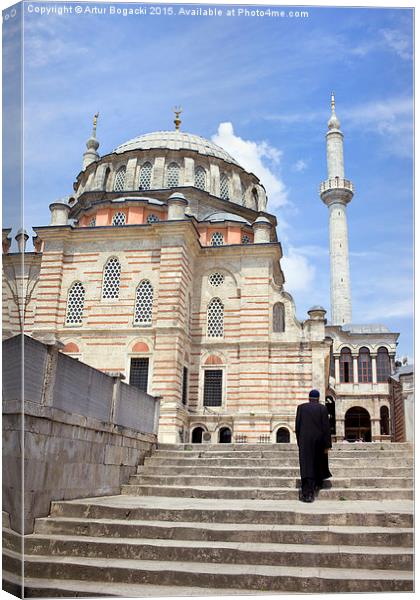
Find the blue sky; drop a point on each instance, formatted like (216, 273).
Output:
(260, 87)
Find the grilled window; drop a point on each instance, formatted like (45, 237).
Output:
(346, 366)
(118, 220)
(217, 239)
(185, 385)
(278, 317)
(139, 373)
(200, 178)
(224, 186)
(75, 303)
(120, 180)
(246, 239)
(383, 365)
(92, 222)
(172, 176)
(364, 366)
(112, 274)
(215, 318)
(152, 219)
(145, 180)
(144, 303)
(216, 279)
(213, 382)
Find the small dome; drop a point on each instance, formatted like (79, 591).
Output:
(334, 123)
(225, 216)
(262, 219)
(317, 308)
(92, 143)
(175, 140)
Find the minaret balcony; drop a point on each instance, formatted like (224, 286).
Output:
(336, 189)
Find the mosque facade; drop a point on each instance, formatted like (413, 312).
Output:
(163, 267)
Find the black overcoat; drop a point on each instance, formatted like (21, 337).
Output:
(313, 437)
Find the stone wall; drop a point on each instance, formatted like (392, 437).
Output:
(61, 445)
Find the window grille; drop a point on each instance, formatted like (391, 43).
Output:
(265, 438)
(217, 239)
(213, 382)
(112, 274)
(139, 373)
(224, 187)
(364, 366)
(75, 303)
(278, 317)
(246, 239)
(118, 220)
(172, 175)
(152, 219)
(120, 180)
(241, 438)
(200, 178)
(215, 318)
(383, 365)
(144, 303)
(216, 279)
(185, 385)
(346, 366)
(92, 222)
(145, 177)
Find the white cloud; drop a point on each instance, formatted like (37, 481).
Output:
(299, 273)
(300, 165)
(398, 42)
(258, 157)
(391, 309)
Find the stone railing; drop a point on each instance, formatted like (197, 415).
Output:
(336, 183)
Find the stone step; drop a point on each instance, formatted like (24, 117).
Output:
(265, 493)
(260, 462)
(278, 471)
(339, 446)
(292, 453)
(386, 513)
(236, 532)
(60, 588)
(264, 482)
(255, 553)
(217, 575)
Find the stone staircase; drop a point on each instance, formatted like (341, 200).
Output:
(225, 519)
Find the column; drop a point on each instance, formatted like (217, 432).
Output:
(374, 369)
(355, 369)
(130, 174)
(337, 367)
(189, 178)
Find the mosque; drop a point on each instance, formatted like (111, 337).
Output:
(164, 267)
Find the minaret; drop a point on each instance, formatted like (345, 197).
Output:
(336, 192)
(92, 145)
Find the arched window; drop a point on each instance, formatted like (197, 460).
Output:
(278, 317)
(357, 425)
(364, 365)
(106, 178)
(172, 175)
(217, 239)
(383, 365)
(152, 219)
(200, 178)
(145, 179)
(215, 318)
(224, 186)
(118, 220)
(283, 436)
(225, 435)
(384, 414)
(255, 199)
(144, 303)
(246, 239)
(119, 183)
(346, 366)
(112, 274)
(197, 435)
(216, 279)
(75, 303)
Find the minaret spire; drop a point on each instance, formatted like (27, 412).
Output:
(92, 145)
(336, 192)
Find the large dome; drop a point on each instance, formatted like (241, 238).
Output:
(175, 140)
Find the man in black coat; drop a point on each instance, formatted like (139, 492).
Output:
(314, 439)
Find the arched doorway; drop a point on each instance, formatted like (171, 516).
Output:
(357, 425)
(225, 435)
(282, 436)
(330, 404)
(384, 414)
(197, 435)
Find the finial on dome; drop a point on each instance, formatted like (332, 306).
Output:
(333, 123)
(177, 110)
(95, 122)
(92, 145)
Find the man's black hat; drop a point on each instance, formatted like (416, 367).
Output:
(314, 394)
